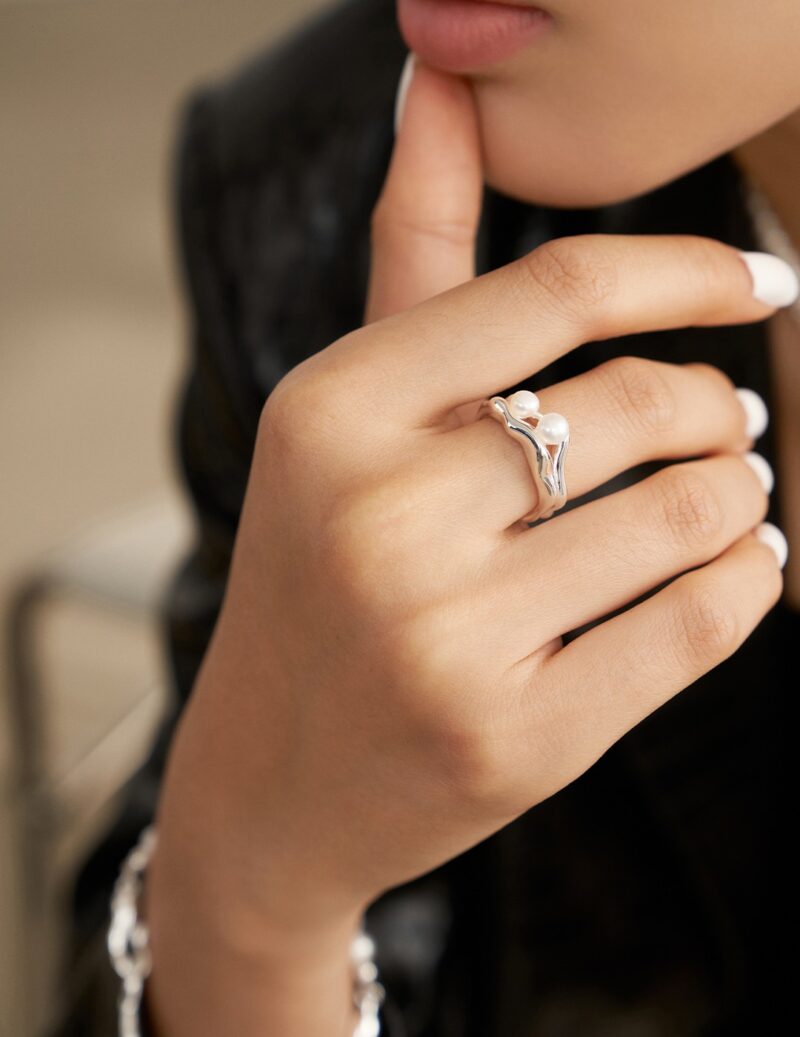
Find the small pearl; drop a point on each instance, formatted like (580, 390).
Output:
(554, 428)
(362, 947)
(523, 404)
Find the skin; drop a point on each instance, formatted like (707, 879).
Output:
(384, 688)
(623, 96)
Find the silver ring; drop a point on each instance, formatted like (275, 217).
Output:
(544, 439)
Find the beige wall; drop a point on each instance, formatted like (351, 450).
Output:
(90, 330)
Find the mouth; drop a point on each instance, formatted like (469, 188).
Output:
(462, 35)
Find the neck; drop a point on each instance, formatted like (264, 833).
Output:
(772, 161)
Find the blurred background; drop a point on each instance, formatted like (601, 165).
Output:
(91, 351)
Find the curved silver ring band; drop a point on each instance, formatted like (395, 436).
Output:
(544, 439)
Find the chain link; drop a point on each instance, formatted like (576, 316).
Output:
(128, 934)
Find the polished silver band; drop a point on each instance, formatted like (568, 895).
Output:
(544, 439)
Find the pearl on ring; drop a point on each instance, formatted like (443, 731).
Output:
(538, 438)
(523, 404)
(553, 428)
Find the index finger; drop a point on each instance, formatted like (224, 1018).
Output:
(424, 224)
(477, 339)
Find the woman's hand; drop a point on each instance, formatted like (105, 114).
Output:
(387, 684)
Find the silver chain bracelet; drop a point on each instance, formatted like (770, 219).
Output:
(128, 948)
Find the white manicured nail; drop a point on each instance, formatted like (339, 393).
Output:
(756, 411)
(774, 281)
(774, 538)
(402, 89)
(762, 468)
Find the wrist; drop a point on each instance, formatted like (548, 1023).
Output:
(241, 941)
(238, 879)
(234, 827)
(218, 968)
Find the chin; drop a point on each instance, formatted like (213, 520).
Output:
(586, 167)
(576, 184)
(558, 191)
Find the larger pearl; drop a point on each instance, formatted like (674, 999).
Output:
(553, 428)
(523, 404)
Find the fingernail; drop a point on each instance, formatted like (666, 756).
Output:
(402, 89)
(774, 538)
(762, 468)
(774, 281)
(755, 411)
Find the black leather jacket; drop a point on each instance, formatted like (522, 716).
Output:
(638, 902)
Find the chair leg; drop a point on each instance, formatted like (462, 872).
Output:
(34, 814)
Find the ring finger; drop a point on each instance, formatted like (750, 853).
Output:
(606, 553)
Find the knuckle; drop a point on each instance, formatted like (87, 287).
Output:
(574, 278)
(308, 410)
(706, 265)
(281, 407)
(720, 389)
(388, 223)
(279, 436)
(470, 761)
(462, 750)
(707, 628)
(421, 653)
(295, 396)
(463, 737)
(689, 509)
(641, 393)
(713, 374)
(370, 542)
(359, 551)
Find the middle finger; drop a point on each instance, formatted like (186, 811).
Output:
(621, 414)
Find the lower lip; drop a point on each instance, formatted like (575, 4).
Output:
(459, 35)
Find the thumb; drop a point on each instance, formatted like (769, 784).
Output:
(425, 222)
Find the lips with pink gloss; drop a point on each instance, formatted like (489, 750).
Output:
(461, 35)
